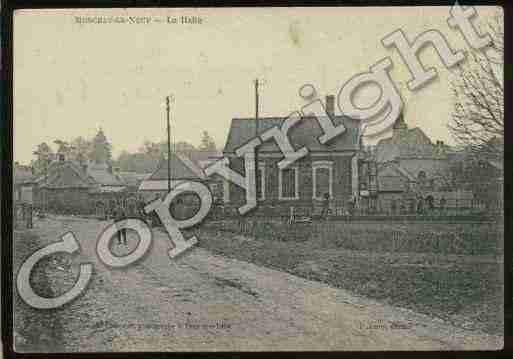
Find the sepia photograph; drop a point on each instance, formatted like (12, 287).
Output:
(258, 179)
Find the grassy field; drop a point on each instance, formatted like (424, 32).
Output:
(450, 271)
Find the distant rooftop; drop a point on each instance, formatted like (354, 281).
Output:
(305, 133)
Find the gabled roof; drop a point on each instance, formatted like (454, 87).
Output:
(69, 174)
(203, 158)
(408, 143)
(133, 179)
(181, 168)
(104, 176)
(65, 174)
(305, 133)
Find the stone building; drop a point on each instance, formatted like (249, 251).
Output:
(413, 151)
(408, 165)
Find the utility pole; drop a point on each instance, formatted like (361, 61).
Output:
(257, 120)
(168, 147)
(257, 125)
(42, 193)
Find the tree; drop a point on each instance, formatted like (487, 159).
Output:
(43, 155)
(184, 147)
(207, 142)
(63, 147)
(101, 149)
(477, 121)
(149, 156)
(153, 149)
(139, 162)
(80, 149)
(159, 149)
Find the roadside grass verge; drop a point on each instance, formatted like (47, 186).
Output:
(450, 271)
(36, 330)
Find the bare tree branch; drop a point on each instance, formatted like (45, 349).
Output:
(477, 120)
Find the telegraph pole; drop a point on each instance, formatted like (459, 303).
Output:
(257, 125)
(168, 147)
(256, 108)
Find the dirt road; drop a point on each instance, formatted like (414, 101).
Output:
(202, 302)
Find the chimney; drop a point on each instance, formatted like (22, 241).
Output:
(330, 105)
(61, 157)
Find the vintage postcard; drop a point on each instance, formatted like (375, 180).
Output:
(258, 179)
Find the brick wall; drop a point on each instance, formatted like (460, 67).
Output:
(341, 181)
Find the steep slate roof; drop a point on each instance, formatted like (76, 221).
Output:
(103, 176)
(203, 158)
(133, 179)
(408, 143)
(69, 174)
(305, 133)
(66, 174)
(181, 168)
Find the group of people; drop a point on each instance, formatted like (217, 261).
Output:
(418, 205)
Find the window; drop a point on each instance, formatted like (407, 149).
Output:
(288, 183)
(322, 175)
(260, 181)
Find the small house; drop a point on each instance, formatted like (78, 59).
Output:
(329, 169)
(181, 169)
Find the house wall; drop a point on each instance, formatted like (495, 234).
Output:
(73, 200)
(26, 194)
(341, 190)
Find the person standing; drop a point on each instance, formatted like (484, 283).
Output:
(443, 202)
(325, 206)
(430, 200)
(420, 205)
(121, 215)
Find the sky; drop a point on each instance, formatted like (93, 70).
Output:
(71, 78)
